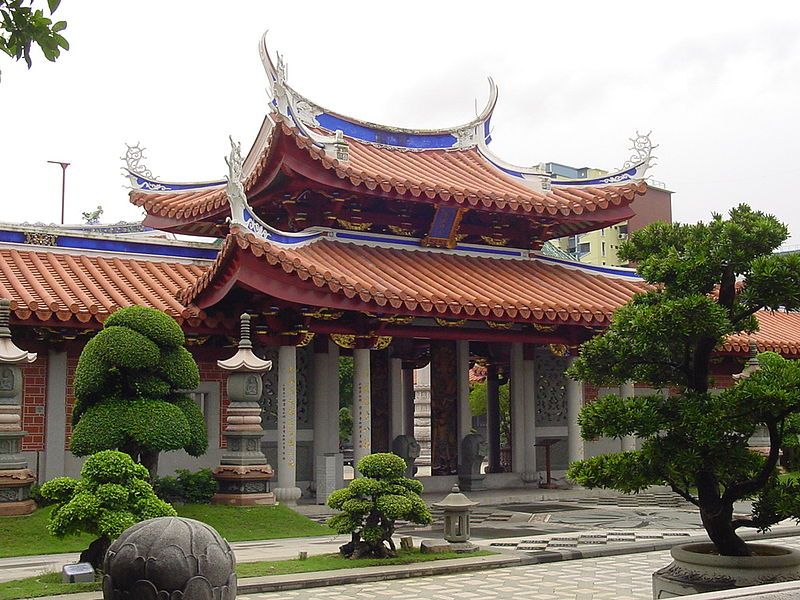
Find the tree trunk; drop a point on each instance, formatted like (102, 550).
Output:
(719, 526)
(95, 554)
(149, 459)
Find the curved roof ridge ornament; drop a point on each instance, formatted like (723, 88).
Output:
(309, 116)
(136, 171)
(142, 178)
(643, 151)
(634, 168)
(243, 216)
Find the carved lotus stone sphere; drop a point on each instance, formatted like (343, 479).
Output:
(169, 558)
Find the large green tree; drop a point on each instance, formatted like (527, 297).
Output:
(130, 388)
(22, 25)
(708, 281)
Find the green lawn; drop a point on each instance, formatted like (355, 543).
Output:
(42, 585)
(23, 536)
(50, 584)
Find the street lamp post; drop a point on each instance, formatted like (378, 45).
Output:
(64, 166)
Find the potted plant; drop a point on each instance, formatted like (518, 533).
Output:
(707, 282)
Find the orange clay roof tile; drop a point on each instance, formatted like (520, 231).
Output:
(63, 287)
(437, 282)
(48, 285)
(463, 176)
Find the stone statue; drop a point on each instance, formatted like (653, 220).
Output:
(170, 557)
(407, 448)
(473, 451)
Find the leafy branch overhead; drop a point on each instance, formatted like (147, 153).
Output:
(22, 25)
(708, 281)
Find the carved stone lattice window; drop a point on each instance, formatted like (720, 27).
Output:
(304, 410)
(551, 389)
(269, 396)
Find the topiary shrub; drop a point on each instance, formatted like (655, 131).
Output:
(128, 390)
(371, 505)
(112, 494)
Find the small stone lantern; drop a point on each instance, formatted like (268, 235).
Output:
(15, 477)
(456, 507)
(751, 366)
(243, 474)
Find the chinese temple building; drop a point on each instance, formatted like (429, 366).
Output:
(401, 248)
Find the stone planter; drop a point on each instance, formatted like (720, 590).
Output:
(693, 570)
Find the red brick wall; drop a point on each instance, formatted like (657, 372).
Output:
(34, 396)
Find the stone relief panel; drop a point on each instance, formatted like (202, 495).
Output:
(551, 388)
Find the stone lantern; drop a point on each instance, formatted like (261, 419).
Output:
(243, 474)
(751, 366)
(457, 507)
(15, 477)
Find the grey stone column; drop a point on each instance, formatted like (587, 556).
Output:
(55, 417)
(321, 387)
(517, 401)
(332, 393)
(464, 411)
(362, 407)
(397, 405)
(575, 444)
(408, 401)
(493, 418)
(531, 473)
(287, 490)
(627, 390)
(328, 461)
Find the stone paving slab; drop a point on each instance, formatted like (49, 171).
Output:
(602, 577)
(582, 539)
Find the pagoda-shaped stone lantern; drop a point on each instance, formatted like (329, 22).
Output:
(15, 477)
(457, 508)
(243, 474)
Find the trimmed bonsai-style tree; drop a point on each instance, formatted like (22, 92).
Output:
(708, 282)
(113, 493)
(130, 390)
(372, 503)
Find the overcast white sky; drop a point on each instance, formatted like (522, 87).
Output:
(717, 82)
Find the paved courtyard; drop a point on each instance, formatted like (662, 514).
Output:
(625, 577)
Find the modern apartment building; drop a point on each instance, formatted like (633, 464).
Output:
(600, 247)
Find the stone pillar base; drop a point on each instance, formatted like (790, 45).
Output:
(15, 485)
(267, 499)
(530, 477)
(17, 509)
(288, 495)
(243, 485)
